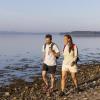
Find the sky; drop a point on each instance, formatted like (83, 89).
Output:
(49, 15)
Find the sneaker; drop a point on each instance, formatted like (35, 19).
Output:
(62, 94)
(77, 90)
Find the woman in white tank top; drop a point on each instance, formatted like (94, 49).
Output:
(70, 53)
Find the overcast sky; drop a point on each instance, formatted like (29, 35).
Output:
(49, 15)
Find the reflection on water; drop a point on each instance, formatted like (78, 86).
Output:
(21, 56)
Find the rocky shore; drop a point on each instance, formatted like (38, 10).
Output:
(89, 84)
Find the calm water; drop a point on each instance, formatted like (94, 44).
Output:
(20, 55)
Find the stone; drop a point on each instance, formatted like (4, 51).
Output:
(85, 98)
(7, 94)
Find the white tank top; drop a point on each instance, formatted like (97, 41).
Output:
(69, 57)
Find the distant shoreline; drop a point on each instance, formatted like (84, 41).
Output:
(73, 33)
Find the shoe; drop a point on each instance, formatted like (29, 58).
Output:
(50, 90)
(62, 94)
(77, 90)
(45, 88)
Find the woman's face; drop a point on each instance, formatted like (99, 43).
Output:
(66, 40)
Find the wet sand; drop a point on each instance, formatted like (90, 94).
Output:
(89, 84)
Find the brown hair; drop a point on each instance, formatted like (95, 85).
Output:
(70, 42)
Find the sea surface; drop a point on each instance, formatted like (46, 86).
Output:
(21, 55)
